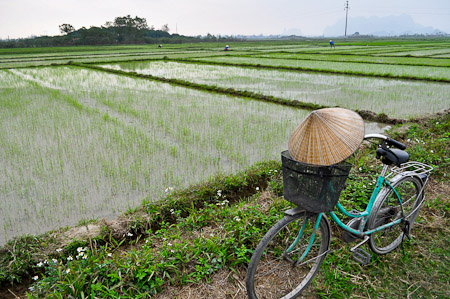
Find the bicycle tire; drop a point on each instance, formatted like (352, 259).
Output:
(387, 208)
(270, 275)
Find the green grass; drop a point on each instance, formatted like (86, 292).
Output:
(207, 228)
(74, 133)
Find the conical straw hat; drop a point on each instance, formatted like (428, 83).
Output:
(327, 136)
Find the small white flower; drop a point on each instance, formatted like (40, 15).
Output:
(211, 235)
(237, 219)
(432, 151)
(54, 260)
(169, 244)
(408, 140)
(110, 254)
(172, 251)
(146, 241)
(58, 250)
(437, 122)
(275, 171)
(31, 289)
(257, 188)
(172, 211)
(45, 262)
(68, 271)
(219, 193)
(129, 234)
(360, 169)
(40, 264)
(84, 257)
(81, 249)
(35, 277)
(168, 189)
(70, 258)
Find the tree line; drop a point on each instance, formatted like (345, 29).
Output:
(123, 30)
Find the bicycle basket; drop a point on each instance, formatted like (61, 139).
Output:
(314, 188)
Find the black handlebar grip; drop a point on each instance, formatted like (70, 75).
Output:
(395, 143)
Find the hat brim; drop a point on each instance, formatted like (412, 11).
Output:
(327, 136)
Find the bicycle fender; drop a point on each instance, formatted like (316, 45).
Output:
(294, 211)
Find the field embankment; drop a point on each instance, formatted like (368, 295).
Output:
(203, 236)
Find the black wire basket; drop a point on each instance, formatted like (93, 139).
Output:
(314, 188)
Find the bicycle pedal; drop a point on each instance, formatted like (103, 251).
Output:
(361, 256)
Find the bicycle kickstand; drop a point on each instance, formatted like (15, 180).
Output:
(360, 255)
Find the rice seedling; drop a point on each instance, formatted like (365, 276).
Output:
(421, 52)
(394, 71)
(83, 144)
(393, 97)
(361, 59)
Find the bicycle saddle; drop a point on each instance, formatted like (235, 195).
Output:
(392, 156)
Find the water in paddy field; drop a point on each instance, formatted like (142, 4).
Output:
(374, 127)
(79, 144)
(28, 223)
(396, 98)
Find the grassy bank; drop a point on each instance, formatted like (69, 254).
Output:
(200, 239)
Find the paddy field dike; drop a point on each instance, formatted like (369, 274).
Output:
(163, 164)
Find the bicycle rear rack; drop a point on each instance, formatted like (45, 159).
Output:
(411, 168)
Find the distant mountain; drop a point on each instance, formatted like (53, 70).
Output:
(292, 31)
(379, 26)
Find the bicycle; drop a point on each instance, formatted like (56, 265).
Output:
(291, 253)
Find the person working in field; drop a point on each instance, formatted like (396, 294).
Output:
(226, 48)
(332, 44)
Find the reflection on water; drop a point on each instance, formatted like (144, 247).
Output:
(374, 127)
(133, 139)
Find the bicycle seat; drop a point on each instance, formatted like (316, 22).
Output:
(392, 156)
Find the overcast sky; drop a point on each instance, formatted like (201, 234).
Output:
(24, 18)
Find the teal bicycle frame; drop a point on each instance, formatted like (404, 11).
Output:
(381, 181)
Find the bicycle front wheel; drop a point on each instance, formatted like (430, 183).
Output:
(387, 208)
(287, 258)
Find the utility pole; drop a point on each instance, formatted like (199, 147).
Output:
(346, 15)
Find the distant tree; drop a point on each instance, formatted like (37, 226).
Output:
(128, 21)
(66, 28)
(209, 36)
(130, 30)
(96, 36)
(165, 28)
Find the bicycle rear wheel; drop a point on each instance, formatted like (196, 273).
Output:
(276, 269)
(387, 208)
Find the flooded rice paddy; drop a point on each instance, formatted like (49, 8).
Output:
(396, 98)
(79, 144)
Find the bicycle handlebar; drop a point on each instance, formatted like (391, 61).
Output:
(388, 140)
